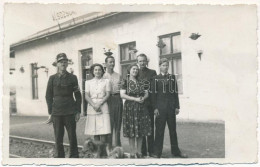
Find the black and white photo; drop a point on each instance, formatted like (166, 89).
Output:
(91, 83)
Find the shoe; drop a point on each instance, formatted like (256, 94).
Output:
(155, 156)
(144, 154)
(132, 156)
(150, 154)
(180, 155)
(139, 155)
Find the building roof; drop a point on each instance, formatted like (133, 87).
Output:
(67, 25)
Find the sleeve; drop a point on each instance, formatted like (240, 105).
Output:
(153, 93)
(176, 95)
(154, 73)
(77, 94)
(87, 86)
(49, 95)
(120, 77)
(121, 82)
(108, 85)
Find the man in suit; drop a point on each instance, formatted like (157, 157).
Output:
(166, 106)
(145, 76)
(64, 111)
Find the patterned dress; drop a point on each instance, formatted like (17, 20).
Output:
(136, 120)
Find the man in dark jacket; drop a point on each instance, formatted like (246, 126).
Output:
(64, 111)
(145, 76)
(166, 106)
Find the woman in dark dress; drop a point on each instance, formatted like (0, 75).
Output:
(136, 120)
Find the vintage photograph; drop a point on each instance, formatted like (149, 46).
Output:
(132, 83)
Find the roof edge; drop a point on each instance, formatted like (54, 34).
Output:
(60, 29)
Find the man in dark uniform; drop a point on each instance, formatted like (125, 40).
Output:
(166, 106)
(64, 111)
(145, 76)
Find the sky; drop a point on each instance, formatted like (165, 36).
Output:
(23, 20)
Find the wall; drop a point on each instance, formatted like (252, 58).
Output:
(211, 86)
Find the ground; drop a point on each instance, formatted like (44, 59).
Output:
(196, 139)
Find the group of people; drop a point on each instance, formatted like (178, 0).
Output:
(151, 100)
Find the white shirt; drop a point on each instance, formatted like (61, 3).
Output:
(97, 88)
(115, 80)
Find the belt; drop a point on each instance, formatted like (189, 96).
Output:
(115, 94)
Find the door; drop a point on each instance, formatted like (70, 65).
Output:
(86, 62)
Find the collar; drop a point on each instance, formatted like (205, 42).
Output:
(63, 75)
(98, 80)
(143, 69)
(163, 74)
(109, 73)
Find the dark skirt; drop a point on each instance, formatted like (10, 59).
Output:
(136, 120)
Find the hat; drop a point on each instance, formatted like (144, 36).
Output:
(61, 56)
(163, 60)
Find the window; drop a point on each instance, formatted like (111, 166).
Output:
(86, 57)
(172, 51)
(12, 61)
(34, 81)
(127, 56)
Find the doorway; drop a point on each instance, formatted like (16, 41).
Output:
(86, 62)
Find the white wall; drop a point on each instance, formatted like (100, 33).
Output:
(211, 86)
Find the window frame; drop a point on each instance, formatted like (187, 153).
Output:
(170, 55)
(81, 55)
(121, 59)
(34, 77)
(125, 62)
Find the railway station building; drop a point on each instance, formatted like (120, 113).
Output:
(202, 45)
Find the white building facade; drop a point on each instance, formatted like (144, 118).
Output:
(211, 85)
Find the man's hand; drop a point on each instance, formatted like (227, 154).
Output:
(77, 117)
(177, 111)
(49, 120)
(156, 112)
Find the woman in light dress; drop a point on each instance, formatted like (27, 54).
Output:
(97, 92)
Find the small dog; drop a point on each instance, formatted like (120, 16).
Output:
(117, 153)
(96, 149)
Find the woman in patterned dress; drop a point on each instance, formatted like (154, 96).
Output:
(136, 120)
(97, 92)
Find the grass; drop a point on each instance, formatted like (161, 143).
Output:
(197, 140)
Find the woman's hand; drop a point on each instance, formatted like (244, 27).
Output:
(139, 99)
(96, 107)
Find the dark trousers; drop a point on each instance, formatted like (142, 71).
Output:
(148, 141)
(67, 121)
(166, 116)
(115, 105)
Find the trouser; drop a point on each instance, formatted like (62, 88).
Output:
(148, 141)
(166, 116)
(115, 105)
(67, 121)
